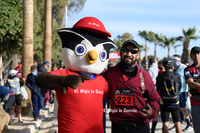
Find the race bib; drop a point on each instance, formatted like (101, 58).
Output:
(124, 97)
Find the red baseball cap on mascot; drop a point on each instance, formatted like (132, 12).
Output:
(92, 24)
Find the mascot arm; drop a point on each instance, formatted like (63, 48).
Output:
(49, 81)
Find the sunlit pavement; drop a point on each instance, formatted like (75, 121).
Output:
(158, 127)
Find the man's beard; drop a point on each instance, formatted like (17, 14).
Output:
(127, 64)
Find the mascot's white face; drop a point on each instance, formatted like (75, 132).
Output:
(82, 53)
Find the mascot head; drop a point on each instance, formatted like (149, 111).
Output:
(86, 46)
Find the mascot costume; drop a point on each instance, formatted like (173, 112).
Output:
(79, 88)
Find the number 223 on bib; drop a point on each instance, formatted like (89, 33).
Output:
(124, 97)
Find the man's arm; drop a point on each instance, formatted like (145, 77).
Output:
(189, 79)
(28, 83)
(192, 84)
(178, 79)
(152, 97)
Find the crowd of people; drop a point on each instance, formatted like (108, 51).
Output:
(11, 92)
(136, 96)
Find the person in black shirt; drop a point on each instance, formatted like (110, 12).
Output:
(168, 85)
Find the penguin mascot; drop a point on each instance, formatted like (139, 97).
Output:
(79, 88)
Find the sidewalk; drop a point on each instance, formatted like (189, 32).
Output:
(158, 127)
(49, 124)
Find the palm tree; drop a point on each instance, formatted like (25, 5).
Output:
(27, 46)
(47, 33)
(119, 40)
(168, 42)
(157, 39)
(187, 36)
(145, 35)
(175, 46)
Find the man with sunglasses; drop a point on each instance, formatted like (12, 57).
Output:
(131, 89)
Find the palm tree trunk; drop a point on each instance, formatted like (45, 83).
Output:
(168, 52)
(27, 46)
(155, 56)
(184, 55)
(140, 60)
(14, 61)
(47, 33)
(188, 52)
(146, 63)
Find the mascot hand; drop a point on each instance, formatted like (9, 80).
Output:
(58, 81)
(74, 81)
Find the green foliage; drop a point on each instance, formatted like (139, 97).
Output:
(142, 47)
(145, 34)
(57, 45)
(120, 39)
(154, 37)
(168, 42)
(10, 26)
(38, 29)
(75, 6)
(58, 9)
(188, 35)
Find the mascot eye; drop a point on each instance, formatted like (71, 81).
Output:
(80, 49)
(103, 55)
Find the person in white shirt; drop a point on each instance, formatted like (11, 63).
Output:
(153, 69)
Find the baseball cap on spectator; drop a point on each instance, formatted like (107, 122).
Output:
(46, 62)
(33, 68)
(195, 48)
(12, 72)
(19, 65)
(131, 42)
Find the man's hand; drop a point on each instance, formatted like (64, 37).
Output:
(146, 113)
(23, 79)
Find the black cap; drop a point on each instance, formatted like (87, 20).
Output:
(168, 63)
(195, 48)
(46, 62)
(33, 68)
(132, 42)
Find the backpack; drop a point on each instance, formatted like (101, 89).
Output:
(169, 93)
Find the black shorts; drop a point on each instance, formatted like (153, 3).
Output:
(173, 109)
(129, 127)
(9, 103)
(18, 99)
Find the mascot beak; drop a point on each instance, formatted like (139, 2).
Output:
(91, 56)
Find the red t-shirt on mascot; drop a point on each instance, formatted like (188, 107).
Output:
(76, 110)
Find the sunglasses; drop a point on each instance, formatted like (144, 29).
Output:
(125, 50)
(160, 68)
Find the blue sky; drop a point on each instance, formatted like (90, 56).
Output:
(166, 17)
